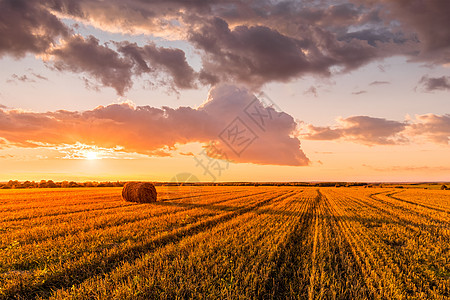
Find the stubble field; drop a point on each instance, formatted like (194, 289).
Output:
(226, 242)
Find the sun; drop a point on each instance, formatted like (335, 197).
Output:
(91, 155)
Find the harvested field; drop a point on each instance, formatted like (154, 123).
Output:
(226, 242)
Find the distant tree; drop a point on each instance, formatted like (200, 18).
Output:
(43, 184)
(89, 184)
(51, 184)
(73, 184)
(13, 184)
(105, 184)
(65, 184)
(444, 187)
(27, 184)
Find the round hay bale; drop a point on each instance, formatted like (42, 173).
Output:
(141, 192)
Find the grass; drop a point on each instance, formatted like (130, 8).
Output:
(226, 242)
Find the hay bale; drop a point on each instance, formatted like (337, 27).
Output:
(141, 192)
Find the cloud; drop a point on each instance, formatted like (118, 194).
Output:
(116, 69)
(27, 26)
(429, 20)
(26, 78)
(250, 42)
(430, 84)
(81, 151)
(23, 78)
(157, 132)
(379, 82)
(160, 18)
(378, 131)
(39, 76)
(151, 58)
(374, 37)
(311, 90)
(2, 140)
(433, 127)
(253, 55)
(408, 168)
(275, 141)
(319, 133)
(78, 54)
(258, 54)
(361, 129)
(359, 92)
(32, 26)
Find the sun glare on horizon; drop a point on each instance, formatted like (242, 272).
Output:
(91, 155)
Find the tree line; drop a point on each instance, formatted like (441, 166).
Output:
(15, 184)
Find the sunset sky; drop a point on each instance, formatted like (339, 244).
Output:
(225, 90)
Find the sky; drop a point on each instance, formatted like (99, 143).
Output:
(216, 91)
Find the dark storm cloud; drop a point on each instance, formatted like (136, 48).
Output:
(156, 17)
(116, 68)
(253, 42)
(253, 55)
(26, 26)
(372, 36)
(78, 54)
(31, 26)
(430, 84)
(170, 60)
(258, 54)
(429, 19)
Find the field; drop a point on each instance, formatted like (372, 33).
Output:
(226, 242)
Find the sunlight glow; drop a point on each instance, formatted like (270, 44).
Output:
(91, 155)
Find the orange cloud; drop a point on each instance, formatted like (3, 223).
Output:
(154, 131)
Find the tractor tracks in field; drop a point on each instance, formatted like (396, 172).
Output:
(302, 269)
(314, 257)
(348, 270)
(437, 222)
(84, 210)
(391, 217)
(95, 233)
(183, 208)
(289, 261)
(383, 261)
(390, 195)
(101, 265)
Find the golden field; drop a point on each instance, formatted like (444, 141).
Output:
(226, 242)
